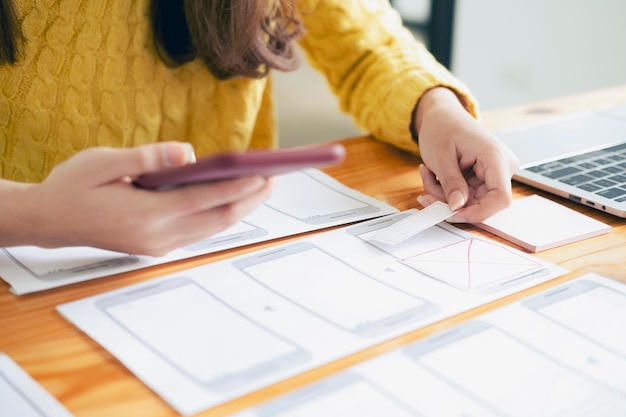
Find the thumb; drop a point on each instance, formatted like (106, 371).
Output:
(454, 186)
(106, 165)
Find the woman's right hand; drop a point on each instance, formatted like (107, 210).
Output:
(89, 200)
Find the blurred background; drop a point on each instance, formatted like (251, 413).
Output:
(508, 52)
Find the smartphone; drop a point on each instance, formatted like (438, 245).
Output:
(235, 164)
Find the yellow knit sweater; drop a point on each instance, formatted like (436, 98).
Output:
(90, 77)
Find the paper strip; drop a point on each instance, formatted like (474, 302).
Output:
(415, 223)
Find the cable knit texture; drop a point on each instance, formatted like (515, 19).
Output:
(90, 77)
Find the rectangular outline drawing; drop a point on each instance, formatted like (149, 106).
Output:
(318, 390)
(225, 382)
(425, 309)
(433, 343)
(331, 217)
(564, 292)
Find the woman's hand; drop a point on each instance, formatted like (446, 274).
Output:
(465, 164)
(89, 200)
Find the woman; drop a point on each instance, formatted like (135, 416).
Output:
(82, 79)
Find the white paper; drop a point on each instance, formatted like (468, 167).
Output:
(301, 201)
(469, 263)
(545, 356)
(210, 334)
(21, 395)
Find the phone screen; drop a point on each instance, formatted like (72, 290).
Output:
(332, 289)
(199, 334)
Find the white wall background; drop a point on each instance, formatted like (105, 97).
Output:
(417, 11)
(509, 52)
(518, 51)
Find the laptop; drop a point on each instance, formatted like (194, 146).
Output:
(581, 157)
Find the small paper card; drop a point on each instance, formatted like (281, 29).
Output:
(415, 223)
(536, 224)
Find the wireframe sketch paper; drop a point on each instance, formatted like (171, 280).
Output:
(469, 263)
(556, 353)
(210, 334)
(301, 201)
(21, 395)
(536, 223)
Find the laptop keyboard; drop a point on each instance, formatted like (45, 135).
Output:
(601, 172)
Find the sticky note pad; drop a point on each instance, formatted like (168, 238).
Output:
(536, 223)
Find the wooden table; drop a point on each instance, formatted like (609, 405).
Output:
(90, 382)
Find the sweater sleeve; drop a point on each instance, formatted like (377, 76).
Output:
(374, 65)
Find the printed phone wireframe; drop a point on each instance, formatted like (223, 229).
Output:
(508, 376)
(442, 252)
(22, 256)
(333, 290)
(239, 232)
(199, 335)
(344, 394)
(318, 204)
(587, 308)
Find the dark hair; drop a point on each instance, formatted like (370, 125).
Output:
(232, 37)
(11, 36)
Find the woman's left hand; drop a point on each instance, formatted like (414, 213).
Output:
(465, 165)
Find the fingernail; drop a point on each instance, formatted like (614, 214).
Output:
(191, 154)
(177, 154)
(422, 200)
(456, 200)
(457, 219)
